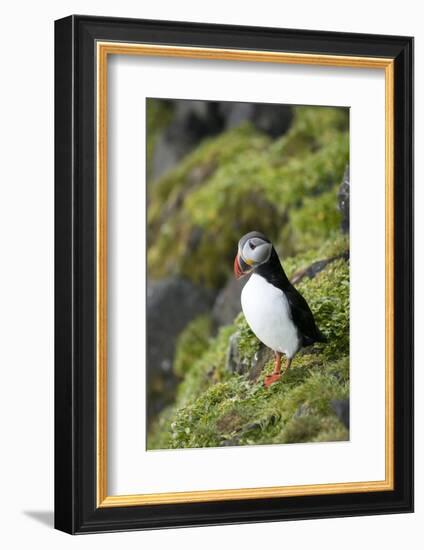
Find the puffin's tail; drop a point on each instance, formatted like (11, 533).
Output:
(321, 337)
(318, 336)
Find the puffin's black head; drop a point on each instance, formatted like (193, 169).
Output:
(254, 249)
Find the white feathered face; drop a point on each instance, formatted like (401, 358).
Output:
(254, 249)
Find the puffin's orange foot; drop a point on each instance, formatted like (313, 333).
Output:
(271, 379)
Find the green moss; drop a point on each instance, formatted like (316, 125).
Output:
(191, 344)
(313, 128)
(207, 370)
(287, 188)
(188, 215)
(159, 436)
(238, 412)
(328, 296)
(215, 408)
(210, 154)
(308, 429)
(241, 180)
(158, 114)
(248, 344)
(336, 245)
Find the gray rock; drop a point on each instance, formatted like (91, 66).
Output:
(261, 357)
(343, 197)
(234, 442)
(164, 158)
(171, 304)
(236, 113)
(273, 120)
(342, 409)
(236, 364)
(303, 410)
(316, 267)
(227, 304)
(194, 121)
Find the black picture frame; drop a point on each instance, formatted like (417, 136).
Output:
(76, 510)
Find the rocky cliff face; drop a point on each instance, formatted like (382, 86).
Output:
(171, 304)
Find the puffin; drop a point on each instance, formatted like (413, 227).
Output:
(276, 312)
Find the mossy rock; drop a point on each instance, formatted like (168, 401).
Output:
(240, 181)
(191, 344)
(158, 115)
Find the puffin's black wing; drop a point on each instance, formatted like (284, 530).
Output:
(303, 318)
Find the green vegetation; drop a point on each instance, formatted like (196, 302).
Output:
(242, 180)
(215, 407)
(158, 115)
(236, 182)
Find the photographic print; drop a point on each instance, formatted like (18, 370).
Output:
(219, 294)
(247, 274)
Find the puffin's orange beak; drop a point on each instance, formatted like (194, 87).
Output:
(237, 269)
(241, 268)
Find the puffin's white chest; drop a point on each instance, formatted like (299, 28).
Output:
(267, 312)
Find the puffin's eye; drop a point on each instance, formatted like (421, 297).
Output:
(252, 246)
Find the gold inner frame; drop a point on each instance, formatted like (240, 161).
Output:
(104, 49)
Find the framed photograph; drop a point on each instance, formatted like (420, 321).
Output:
(234, 274)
